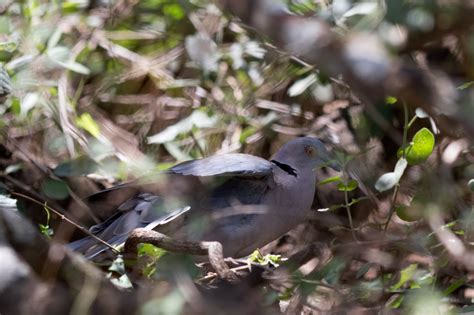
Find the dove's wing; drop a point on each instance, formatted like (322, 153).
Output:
(225, 165)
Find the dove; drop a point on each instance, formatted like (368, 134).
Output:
(240, 200)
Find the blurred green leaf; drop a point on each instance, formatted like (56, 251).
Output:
(81, 166)
(8, 46)
(60, 56)
(174, 10)
(76, 67)
(391, 100)
(397, 302)
(55, 189)
(302, 7)
(331, 179)
(46, 230)
(263, 260)
(151, 251)
(454, 286)
(405, 276)
(331, 272)
(466, 85)
(406, 214)
(86, 122)
(350, 186)
(247, 132)
(363, 270)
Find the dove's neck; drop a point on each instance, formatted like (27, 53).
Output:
(294, 191)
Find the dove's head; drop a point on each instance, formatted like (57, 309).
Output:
(305, 154)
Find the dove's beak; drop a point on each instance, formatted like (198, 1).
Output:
(334, 165)
(330, 160)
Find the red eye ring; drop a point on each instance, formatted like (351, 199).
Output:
(310, 151)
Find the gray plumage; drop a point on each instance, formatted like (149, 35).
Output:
(243, 201)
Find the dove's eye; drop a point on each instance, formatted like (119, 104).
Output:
(310, 151)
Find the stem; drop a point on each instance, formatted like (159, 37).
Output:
(407, 124)
(411, 122)
(348, 208)
(392, 208)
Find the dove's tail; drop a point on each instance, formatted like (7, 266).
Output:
(116, 229)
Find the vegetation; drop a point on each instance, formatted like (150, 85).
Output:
(95, 92)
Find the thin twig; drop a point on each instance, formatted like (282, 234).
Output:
(348, 207)
(63, 217)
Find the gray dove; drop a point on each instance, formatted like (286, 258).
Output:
(240, 200)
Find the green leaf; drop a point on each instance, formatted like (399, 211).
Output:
(420, 147)
(173, 10)
(273, 260)
(405, 276)
(55, 189)
(46, 230)
(60, 56)
(363, 270)
(86, 122)
(76, 67)
(466, 85)
(350, 186)
(391, 100)
(332, 271)
(151, 251)
(78, 167)
(409, 214)
(397, 302)
(454, 286)
(331, 179)
(247, 132)
(389, 180)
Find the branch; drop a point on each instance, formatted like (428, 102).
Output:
(212, 249)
